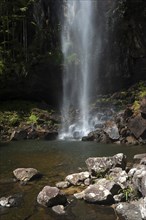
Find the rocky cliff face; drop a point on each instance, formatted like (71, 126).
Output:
(123, 58)
(38, 74)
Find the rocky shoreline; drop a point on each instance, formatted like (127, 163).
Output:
(107, 181)
(122, 115)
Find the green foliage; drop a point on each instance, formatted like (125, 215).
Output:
(127, 192)
(14, 119)
(32, 119)
(136, 106)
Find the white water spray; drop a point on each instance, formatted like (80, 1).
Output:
(77, 46)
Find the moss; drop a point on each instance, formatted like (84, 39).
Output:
(142, 93)
(136, 106)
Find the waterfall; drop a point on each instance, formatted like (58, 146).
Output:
(77, 47)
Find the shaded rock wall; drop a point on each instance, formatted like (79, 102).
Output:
(123, 57)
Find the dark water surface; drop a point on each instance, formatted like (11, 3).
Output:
(55, 159)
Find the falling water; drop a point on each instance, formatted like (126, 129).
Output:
(77, 46)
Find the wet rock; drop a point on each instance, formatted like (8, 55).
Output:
(51, 196)
(59, 209)
(104, 138)
(112, 130)
(97, 165)
(137, 125)
(63, 184)
(77, 178)
(129, 211)
(10, 201)
(98, 194)
(51, 136)
(26, 174)
(19, 135)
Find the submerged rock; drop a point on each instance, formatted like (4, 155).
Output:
(10, 201)
(51, 196)
(26, 174)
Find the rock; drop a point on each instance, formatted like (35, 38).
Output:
(26, 174)
(59, 209)
(127, 113)
(98, 194)
(119, 176)
(19, 135)
(77, 178)
(137, 125)
(87, 182)
(51, 196)
(143, 161)
(119, 197)
(110, 185)
(139, 156)
(112, 130)
(131, 140)
(142, 207)
(139, 179)
(104, 138)
(97, 165)
(129, 211)
(51, 136)
(10, 201)
(79, 195)
(63, 184)
(143, 106)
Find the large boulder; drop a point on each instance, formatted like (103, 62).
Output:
(51, 196)
(139, 179)
(119, 176)
(26, 174)
(77, 178)
(129, 211)
(111, 130)
(101, 165)
(110, 185)
(137, 125)
(98, 194)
